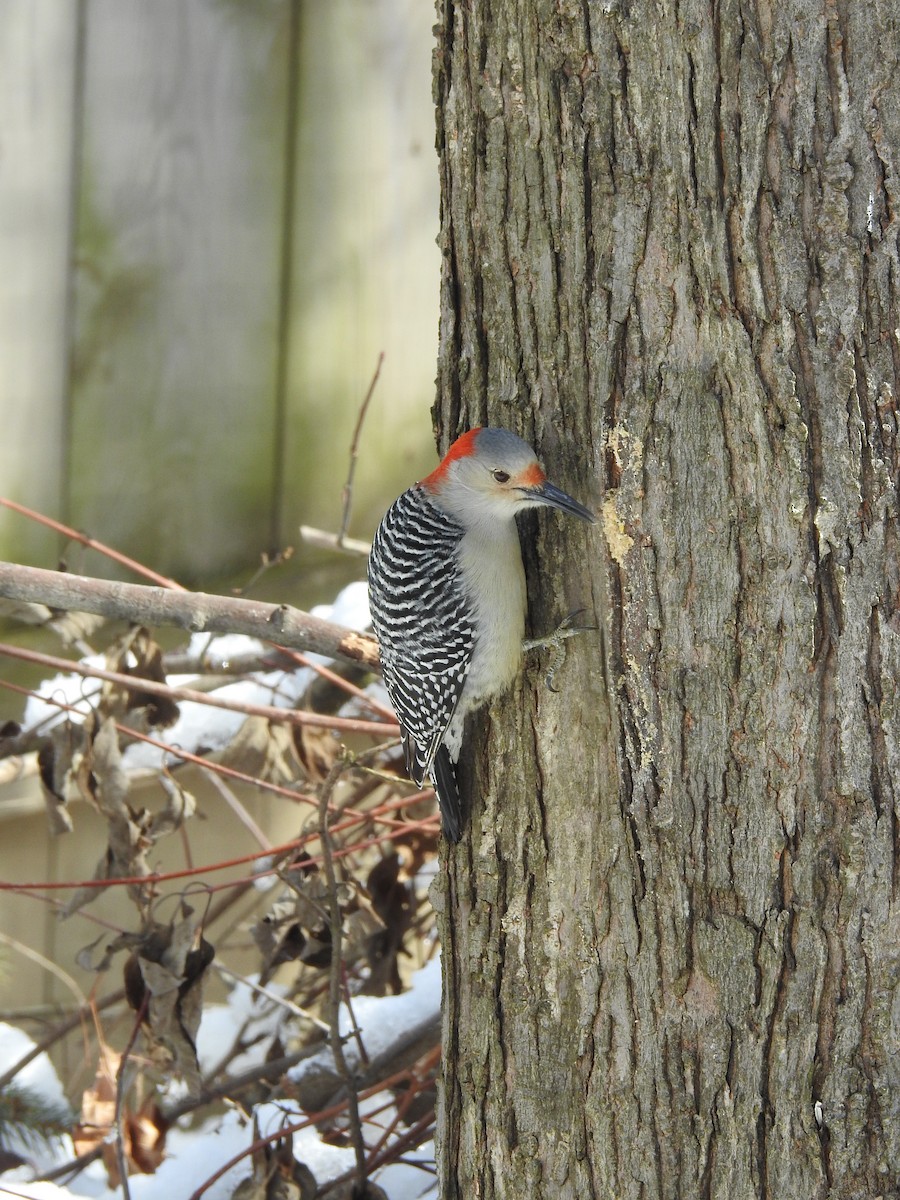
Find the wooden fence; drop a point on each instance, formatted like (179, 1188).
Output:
(214, 215)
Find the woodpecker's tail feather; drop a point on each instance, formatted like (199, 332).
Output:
(443, 776)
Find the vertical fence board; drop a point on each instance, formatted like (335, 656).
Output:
(149, 409)
(365, 266)
(178, 250)
(37, 67)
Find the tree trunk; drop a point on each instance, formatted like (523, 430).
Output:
(671, 934)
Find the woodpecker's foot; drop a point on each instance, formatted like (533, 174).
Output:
(557, 642)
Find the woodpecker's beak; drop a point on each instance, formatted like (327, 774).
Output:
(546, 493)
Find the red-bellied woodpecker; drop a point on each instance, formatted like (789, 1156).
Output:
(447, 596)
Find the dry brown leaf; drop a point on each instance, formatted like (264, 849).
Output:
(360, 927)
(277, 1175)
(250, 1188)
(59, 763)
(143, 1132)
(98, 1116)
(98, 1106)
(24, 611)
(298, 925)
(164, 980)
(317, 750)
(124, 857)
(52, 768)
(75, 628)
(145, 1137)
(393, 899)
(279, 936)
(103, 781)
(180, 807)
(101, 777)
(137, 655)
(265, 750)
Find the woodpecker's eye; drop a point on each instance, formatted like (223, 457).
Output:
(501, 476)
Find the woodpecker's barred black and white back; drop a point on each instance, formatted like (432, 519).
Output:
(448, 597)
(425, 636)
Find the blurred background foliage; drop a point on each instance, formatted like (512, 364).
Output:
(214, 216)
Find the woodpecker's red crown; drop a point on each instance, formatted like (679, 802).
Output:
(492, 472)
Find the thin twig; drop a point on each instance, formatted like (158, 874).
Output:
(267, 561)
(317, 1118)
(347, 494)
(29, 741)
(413, 1137)
(73, 1167)
(92, 544)
(271, 1070)
(354, 1024)
(335, 982)
(420, 1132)
(345, 685)
(403, 1104)
(402, 829)
(182, 662)
(258, 1143)
(121, 1156)
(323, 540)
(239, 810)
(46, 964)
(137, 683)
(273, 997)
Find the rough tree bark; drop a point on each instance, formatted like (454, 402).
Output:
(671, 936)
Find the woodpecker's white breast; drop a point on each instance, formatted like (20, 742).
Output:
(494, 582)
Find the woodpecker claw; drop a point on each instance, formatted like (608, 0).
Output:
(556, 641)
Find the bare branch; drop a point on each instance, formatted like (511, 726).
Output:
(91, 543)
(199, 612)
(293, 716)
(354, 451)
(331, 541)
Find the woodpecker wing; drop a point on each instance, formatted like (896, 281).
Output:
(420, 615)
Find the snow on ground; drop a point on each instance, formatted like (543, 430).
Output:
(194, 1155)
(247, 1015)
(37, 1077)
(191, 1158)
(202, 725)
(384, 1018)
